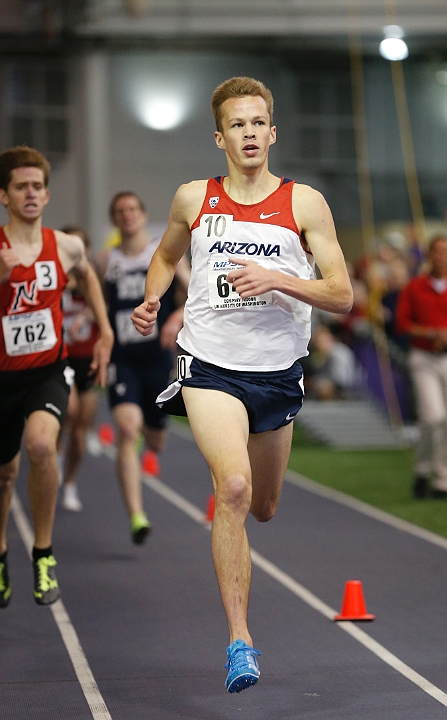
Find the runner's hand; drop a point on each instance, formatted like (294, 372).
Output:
(9, 258)
(144, 316)
(101, 358)
(251, 279)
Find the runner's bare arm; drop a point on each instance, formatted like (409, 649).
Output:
(100, 262)
(175, 241)
(90, 287)
(333, 291)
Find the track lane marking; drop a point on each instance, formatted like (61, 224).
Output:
(70, 638)
(303, 593)
(342, 498)
(286, 580)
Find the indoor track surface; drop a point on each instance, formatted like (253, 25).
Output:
(140, 633)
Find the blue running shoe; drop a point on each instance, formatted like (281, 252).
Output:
(242, 666)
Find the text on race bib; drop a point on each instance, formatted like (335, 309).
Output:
(27, 333)
(222, 295)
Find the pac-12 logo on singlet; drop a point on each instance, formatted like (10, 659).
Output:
(213, 201)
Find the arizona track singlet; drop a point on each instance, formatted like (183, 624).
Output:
(30, 305)
(261, 333)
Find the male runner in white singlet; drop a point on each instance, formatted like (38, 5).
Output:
(34, 378)
(253, 238)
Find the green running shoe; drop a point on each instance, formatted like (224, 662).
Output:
(5, 585)
(140, 527)
(46, 587)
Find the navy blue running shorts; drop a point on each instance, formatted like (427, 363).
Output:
(272, 399)
(139, 383)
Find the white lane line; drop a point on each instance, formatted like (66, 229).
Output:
(363, 507)
(300, 591)
(81, 667)
(317, 488)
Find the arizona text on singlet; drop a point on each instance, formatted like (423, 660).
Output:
(263, 333)
(125, 280)
(31, 309)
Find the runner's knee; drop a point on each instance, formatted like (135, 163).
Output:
(129, 428)
(263, 512)
(235, 491)
(39, 448)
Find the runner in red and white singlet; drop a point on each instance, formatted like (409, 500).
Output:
(31, 310)
(246, 325)
(80, 333)
(34, 379)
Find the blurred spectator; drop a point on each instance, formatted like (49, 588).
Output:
(397, 278)
(421, 313)
(330, 370)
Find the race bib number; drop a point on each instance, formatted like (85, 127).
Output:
(27, 333)
(126, 332)
(46, 274)
(222, 296)
(183, 366)
(216, 227)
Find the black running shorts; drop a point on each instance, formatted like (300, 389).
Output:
(22, 393)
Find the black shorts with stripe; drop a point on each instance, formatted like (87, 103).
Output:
(24, 392)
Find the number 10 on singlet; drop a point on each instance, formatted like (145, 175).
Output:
(216, 227)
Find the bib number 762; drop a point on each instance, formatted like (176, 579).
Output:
(28, 333)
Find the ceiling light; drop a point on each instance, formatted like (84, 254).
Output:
(160, 113)
(393, 47)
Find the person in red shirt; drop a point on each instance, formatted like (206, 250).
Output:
(80, 334)
(421, 313)
(34, 378)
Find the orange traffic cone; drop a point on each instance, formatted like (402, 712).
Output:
(106, 433)
(354, 607)
(149, 463)
(210, 509)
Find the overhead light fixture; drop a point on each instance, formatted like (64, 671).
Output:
(160, 112)
(393, 47)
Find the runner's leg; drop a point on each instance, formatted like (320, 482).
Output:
(81, 423)
(129, 420)
(155, 438)
(219, 423)
(269, 456)
(8, 475)
(40, 436)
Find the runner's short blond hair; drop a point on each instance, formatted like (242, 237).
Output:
(239, 87)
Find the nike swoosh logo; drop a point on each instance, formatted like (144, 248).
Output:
(290, 417)
(264, 217)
